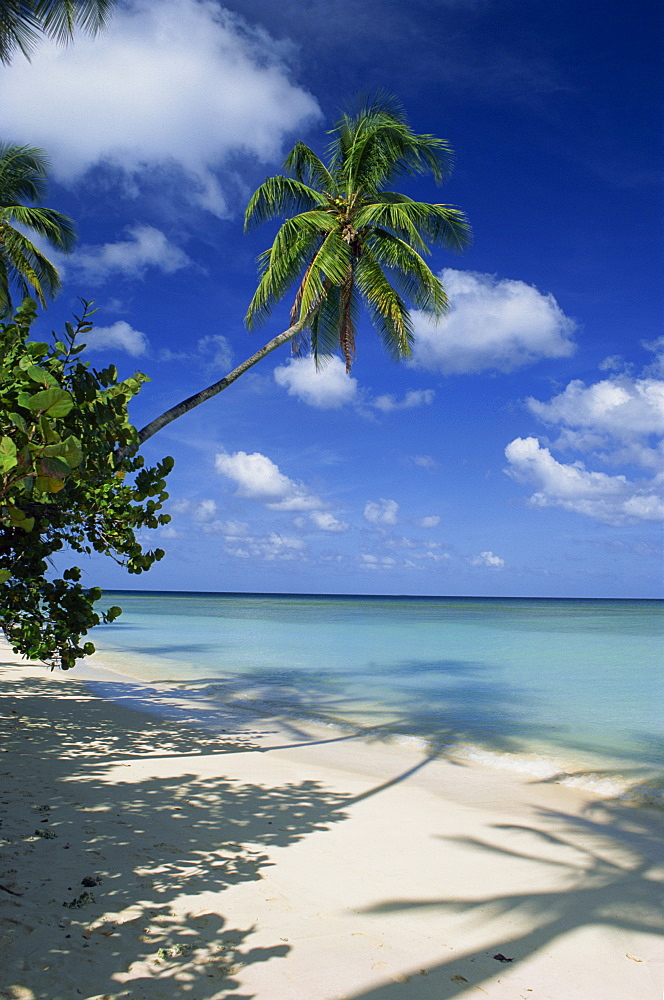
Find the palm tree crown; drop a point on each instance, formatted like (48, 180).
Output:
(23, 178)
(353, 238)
(23, 21)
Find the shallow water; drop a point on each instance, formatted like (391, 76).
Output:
(564, 688)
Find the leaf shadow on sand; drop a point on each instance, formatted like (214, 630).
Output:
(163, 848)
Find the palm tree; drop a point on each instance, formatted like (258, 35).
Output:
(351, 239)
(23, 178)
(23, 21)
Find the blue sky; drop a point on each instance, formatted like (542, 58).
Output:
(520, 452)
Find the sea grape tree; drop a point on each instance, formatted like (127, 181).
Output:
(69, 479)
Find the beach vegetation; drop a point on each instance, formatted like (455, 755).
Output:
(348, 240)
(69, 479)
(23, 265)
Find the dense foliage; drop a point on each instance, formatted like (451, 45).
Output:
(69, 478)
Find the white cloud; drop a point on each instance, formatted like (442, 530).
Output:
(656, 366)
(327, 388)
(327, 522)
(120, 336)
(215, 351)
(612, 499)
(177, 86)
(499, 324)
(271, 548)
(381, 511)
(145, 247)
(415, 397)
(258, 478)
(211, 352)
(432, 521)
(369, 561)
(424, 461)
(488, 560)
(205, 510)
(615, 416)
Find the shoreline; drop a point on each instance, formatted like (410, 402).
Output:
(587, 771)
(276, 861)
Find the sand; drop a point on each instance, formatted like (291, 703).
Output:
(209, 855)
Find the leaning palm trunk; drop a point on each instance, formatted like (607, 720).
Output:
(213, 390)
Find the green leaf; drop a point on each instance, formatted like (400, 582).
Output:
(7, 454)
(56, 402)
(40, 375)
(54, 467)
(45, 484)
(18, 421)
(4, 575)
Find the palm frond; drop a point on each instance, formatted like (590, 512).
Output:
(23, 171)
(23, 22)
(378, 145)
(277, 278)
(309, 168)
(18, 28)
(395, 217)
(59, 18)
(5, 296)
(26, 267)
(409, 273)
(329, 268)
(57, 228)
(419, 221)
(388, 311)
(279, 196)
(294, 246)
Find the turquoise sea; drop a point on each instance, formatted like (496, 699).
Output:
(568, 690)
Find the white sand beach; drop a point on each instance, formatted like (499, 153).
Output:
(147, 858)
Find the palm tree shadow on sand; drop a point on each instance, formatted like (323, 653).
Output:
(155, 915)
(612, 879)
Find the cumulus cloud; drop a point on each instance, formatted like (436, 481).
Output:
(488, 560)
(381, 512)
(432, 521)
(259, 478)
(415, 397)
(619, 417)
(144, 247)
(612, 499)
(119, 336)
(327, 522)
(498, 324)
(327, 388)
(177, 86)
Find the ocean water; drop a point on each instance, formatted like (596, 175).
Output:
(569, 690)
